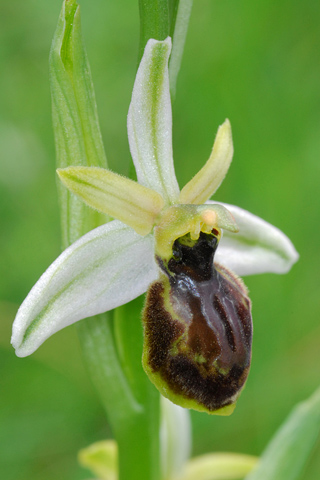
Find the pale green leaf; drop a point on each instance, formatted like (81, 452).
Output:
(287, 453)
(75, 120)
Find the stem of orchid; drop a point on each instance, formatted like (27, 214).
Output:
(154, 21)
(146, 431)
(134, 420)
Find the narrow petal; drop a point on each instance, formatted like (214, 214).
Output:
(219, 466)
(259, 247)
(124, 199)
(150, 122)
(105, 268)
(208, 179)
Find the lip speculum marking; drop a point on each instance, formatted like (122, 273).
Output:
(198, 328)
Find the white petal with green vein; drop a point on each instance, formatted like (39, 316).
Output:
(150, 122)
(105, 268)
(258, 247)
(108, 192)
(204, 184)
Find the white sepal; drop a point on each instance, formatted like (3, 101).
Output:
(150, 122)
(107, 267)
(258, 247)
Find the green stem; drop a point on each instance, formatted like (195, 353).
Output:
(129, 341)
(154, 21)
(134, 423)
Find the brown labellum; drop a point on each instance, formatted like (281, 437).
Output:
(198, 329)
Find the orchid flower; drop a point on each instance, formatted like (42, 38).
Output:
(157, 228)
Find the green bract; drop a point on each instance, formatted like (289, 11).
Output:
(75, 119)
(115, 262)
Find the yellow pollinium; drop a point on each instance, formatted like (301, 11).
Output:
(179, 220)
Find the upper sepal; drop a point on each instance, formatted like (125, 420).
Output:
(150, 122)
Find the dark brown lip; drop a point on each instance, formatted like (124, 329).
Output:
(198, 327)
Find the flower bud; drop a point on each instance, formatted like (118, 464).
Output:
(198, 328)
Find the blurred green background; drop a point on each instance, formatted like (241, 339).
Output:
(256, 63)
